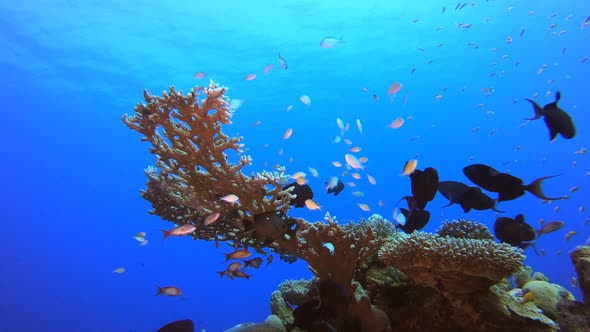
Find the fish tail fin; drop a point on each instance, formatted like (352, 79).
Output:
(557, 96)
(158, 291)
(494, 207)
(221, 274)
(227, 257)
(534, 245)
(166, 233)
(536, 188)
(536, 108)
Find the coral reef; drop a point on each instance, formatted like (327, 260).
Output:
(193, 171)
(450, 264)
(580, 257)
(465, 229)
(271, 324)
(367, 277)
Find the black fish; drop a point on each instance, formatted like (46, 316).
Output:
(452, 190)
(556, 119)
(515, 231)
(302, 193)
(477, 200)
(466, 196)
(424, 185)
(415, 220)
(185, 325)
(337, 188)
(507, 186)
(269, 226)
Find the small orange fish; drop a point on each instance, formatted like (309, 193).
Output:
(231, 198)
(305, 100)
(241, 253)
(211, 218)
(394, 88)
(199, 75)
(310, 204)
(267, 68)
(168, 291)
(409, 167)
(397, 123)
(527, 297)
(179, 231)
(288, 133)
(353, 162)
(568, 235)
(364, 207)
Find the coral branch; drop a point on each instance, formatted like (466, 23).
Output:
(192, 169)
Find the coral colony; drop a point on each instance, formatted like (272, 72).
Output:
(368, 277)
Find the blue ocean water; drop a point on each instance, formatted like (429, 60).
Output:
(72, 171)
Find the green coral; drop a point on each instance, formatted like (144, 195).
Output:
(547, 296)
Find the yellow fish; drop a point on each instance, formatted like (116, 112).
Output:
(410, 167)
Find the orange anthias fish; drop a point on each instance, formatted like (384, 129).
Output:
(353, 162)
(168, 291)
(179, 231)
(242, 253)
(394, 88)
(410, 167)
(527, 297)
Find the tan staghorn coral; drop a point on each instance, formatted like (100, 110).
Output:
(192, 169)
(451, 264)
(333, 251)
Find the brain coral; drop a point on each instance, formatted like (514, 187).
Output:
(465, 229)
(451, 264)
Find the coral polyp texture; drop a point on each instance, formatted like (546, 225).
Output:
(452, 264)
(367, 277)
(466, 229)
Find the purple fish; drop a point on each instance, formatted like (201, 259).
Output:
(550, 227)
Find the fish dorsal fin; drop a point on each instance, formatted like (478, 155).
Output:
(536, 188)
(519, 218)
(553, 106)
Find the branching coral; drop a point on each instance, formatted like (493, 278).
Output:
(332, 251)
(192, 169)
(451, 264)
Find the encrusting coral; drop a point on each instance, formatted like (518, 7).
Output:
(368, 278)
(452, 264)
(466, 229)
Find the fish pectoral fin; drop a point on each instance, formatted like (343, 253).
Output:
(536, 188)
(465, 208)
(552, 133)
(494, 207)
(536, 108)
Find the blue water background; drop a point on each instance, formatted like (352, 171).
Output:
(71, 171)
